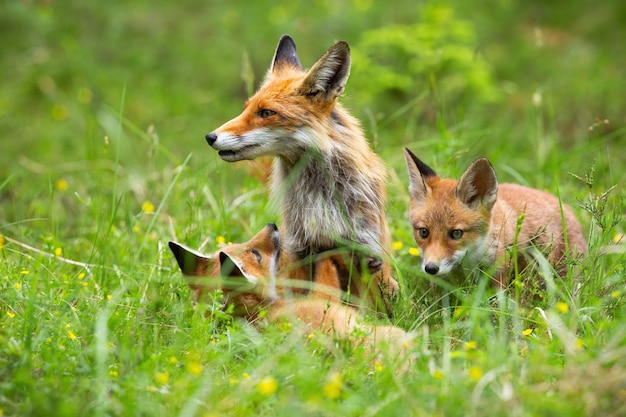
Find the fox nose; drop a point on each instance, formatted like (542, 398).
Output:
(431, 268)
(211, 138)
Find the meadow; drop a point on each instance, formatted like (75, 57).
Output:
(103, 111)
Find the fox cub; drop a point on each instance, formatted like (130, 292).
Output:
(247, 275)
(330, 185)
(473, 221)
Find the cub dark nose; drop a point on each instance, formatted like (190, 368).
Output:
(432, 269)
(211, 138)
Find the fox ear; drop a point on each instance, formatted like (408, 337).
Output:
(285, 54)
(418, 173)
(478, 185)
(327, 79)
(191, 262)
(229, 266)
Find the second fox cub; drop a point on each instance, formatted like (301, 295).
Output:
(247, 274)
(473, 221)
(330, 185)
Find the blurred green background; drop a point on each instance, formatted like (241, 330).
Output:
(528, 84)
(104, 107)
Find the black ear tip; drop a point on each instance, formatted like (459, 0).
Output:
(177, 250)
(272, 226)
(223, 257)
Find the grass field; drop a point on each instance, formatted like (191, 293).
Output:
(104, 108)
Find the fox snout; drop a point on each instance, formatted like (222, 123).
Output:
(431, 268)
(211, 138)
(443, 266)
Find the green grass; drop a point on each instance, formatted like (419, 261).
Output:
(104, 108)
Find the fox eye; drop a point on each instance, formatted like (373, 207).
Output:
(423, 232)
(456, 234)
(257, 255)
(265, 113)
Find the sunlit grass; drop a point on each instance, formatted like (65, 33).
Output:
(104, 160)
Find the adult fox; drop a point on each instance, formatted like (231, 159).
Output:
(329, 183)
(474, 221)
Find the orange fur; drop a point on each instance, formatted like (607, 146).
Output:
(473, 221)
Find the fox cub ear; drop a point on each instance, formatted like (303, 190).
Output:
(478, 185)
(285, 54)
(191, 262)
(418, 173)
(327, 79)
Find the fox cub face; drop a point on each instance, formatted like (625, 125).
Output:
(450, 218)
(281, 118)
(246, 272)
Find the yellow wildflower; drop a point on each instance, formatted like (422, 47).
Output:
(17, 286)
(220, 240)
(25, 272)
(562, 307)
(71, 335)
(194, 368)
(10, 314)
(61, 184)
(618, 237)
(1, 241)
(437, 374)
(578, 344)
(397, 245)
(332, 389)
(173, 360)
(414, 251)
(527, 332)
(615, 294)
(113, 373)
(471, 345)
(475, 373)
(58, 251)
(147, 207)
(162, 378)
(267, 386)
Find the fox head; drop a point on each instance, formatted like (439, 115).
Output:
(450, 218)
(282, 118)
(246, 272)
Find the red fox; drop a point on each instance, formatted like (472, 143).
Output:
(330, 185)
(473, 221)
(251, 263)
(247, 275)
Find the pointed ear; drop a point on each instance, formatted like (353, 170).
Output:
(478, 185)
(418, 173)
(191, 262)
(327, 79)
(229, 266)
(285, 54)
